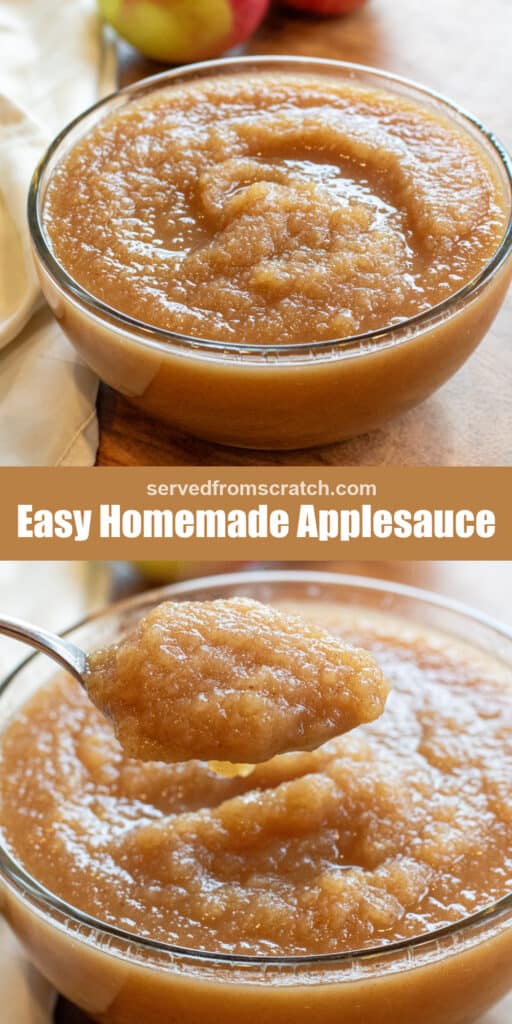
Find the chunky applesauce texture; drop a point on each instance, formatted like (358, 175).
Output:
(396, 828)
(231, 680)
(274, 208)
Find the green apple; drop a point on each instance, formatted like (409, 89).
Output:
(179, 31)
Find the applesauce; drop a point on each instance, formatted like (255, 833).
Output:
(271, 208)
(231, 681)
(252, 217)
(118, 977)
(398, 828)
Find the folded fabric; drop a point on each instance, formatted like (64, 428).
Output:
(54, 62)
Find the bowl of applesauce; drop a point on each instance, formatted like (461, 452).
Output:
(274, 253)
(368, 879)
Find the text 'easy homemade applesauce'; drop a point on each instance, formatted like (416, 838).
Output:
(391, 830)
(274, 208)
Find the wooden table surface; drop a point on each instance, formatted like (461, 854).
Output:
(461, 48)
(485, 585)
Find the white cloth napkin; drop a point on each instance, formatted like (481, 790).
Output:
(54, 62)
(55, 595)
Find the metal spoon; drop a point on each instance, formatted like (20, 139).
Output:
(74, 660)
(64, 652)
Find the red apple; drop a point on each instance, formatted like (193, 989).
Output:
(326, 7)
(179, 31)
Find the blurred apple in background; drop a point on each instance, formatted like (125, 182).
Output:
(170, 572)
(179, 31)
(328, 7)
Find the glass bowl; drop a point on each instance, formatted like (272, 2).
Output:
(450, 976)
(274, 396)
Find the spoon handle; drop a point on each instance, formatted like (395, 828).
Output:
(62, 651)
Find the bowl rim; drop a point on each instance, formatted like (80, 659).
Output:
(164, 339)
(49, 902)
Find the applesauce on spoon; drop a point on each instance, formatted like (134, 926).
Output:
(231, 681)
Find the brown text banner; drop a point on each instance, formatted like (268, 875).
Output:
(247, 513)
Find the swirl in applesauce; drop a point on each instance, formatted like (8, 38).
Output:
(396, 828)
(273, 208)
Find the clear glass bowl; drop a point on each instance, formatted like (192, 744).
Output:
(450, 976)
(273, 396)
